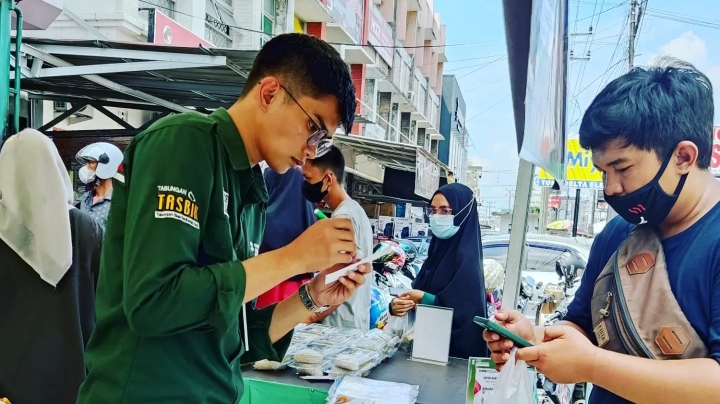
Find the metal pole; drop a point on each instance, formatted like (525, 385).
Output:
(6, 7)
(18, 69)
(518, 229)
(576, 213)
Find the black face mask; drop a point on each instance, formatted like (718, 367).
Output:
(649, 204)
(314, 192)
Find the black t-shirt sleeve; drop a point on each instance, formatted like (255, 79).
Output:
(604, 246)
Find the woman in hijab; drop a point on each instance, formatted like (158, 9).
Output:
(50, 256)
(452, 275)
(288, 215)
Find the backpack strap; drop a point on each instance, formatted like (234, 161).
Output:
(634, 310)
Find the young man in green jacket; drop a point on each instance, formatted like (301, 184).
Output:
(180, 261)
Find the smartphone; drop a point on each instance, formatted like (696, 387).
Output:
(495, 327)
(398, 291)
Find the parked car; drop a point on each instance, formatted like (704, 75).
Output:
(542, 251)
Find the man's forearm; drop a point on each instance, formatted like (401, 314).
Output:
(657, 381)
(267, 270)
(288, 313)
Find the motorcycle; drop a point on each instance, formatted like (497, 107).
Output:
(552, 308)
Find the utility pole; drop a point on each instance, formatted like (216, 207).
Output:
(633, 34)
(631, 63)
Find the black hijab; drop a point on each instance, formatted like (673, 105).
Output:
(453, 273)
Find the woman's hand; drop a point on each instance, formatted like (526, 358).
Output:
(400, 306)
(414, 295)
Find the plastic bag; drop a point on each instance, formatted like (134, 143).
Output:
(514, 384)
(352, 389)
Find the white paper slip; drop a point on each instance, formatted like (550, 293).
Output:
(333, 277)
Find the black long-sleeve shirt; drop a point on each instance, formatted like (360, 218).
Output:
(44, 329)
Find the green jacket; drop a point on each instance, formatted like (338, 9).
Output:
(171, 283)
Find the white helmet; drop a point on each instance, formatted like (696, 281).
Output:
(108, 156)
(494, 274)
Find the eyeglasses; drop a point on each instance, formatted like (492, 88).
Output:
(319, 134)
(431, 210)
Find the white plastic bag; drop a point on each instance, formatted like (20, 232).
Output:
(514, 384)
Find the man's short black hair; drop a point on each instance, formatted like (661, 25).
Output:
(309, 67)
(653, 109)
(332, 160)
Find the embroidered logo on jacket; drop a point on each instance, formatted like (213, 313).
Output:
(177, 203)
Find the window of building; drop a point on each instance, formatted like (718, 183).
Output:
(267, 23)
(218, 21)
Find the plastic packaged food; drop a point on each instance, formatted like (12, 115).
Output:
(307, 369)
(370, 342)
(352, 389)
(345, 332)
(315, 352)
(269, 365)
(308, 355)
(354, 358)
(315, 328)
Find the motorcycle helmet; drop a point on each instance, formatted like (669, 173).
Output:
(393, 261)
(108, 158)
(379, 312)
(410, 249)
(494, 274)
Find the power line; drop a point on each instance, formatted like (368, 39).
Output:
(604, 11)
(489, 108)
(484, 65)
(331, 43)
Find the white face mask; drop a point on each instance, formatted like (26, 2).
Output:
(86, 175)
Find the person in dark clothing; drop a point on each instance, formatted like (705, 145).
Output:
(452, 276)
(651, 135)
(288, 214)
(50, 255)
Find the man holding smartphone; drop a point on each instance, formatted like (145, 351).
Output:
(650, 133)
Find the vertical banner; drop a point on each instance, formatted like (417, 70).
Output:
(427, 176)
(544, 137)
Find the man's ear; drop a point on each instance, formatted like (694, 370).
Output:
(686, 154)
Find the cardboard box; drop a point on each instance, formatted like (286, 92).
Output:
(372, 210)
(375, 224)
(403, 228)
(387, 209)
(420, 229)
(387, 225)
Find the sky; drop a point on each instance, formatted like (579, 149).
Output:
(476, 48)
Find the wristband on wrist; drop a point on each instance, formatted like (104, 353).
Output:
(308, 301)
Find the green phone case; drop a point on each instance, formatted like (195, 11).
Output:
(495, 327)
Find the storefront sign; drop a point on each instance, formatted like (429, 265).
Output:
(349, 15)
(380, 35)
(579, 169)
(427, 176)
(163, 30)
(715, 161)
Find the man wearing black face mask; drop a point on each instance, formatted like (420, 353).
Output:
(650, 132)
(323, 182)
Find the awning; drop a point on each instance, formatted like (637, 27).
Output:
(172, 77)
(400, 156)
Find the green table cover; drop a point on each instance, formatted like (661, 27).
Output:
(264, 392)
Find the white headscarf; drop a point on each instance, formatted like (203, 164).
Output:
(35, 195)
